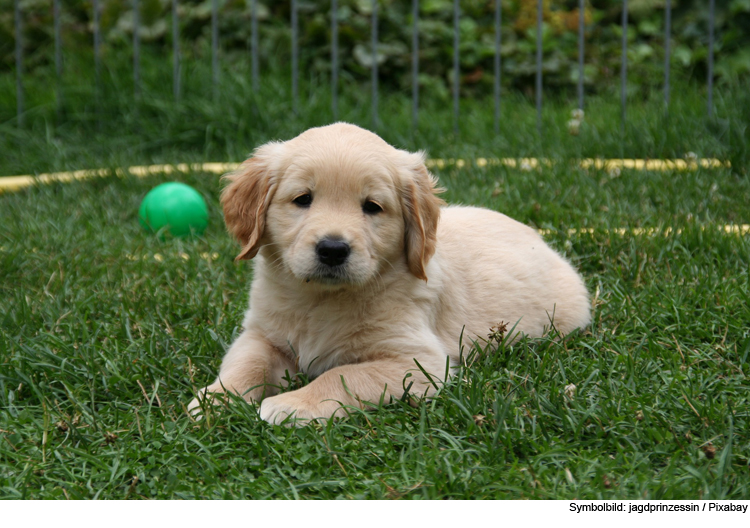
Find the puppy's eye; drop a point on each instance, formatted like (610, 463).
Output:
(371, 207)
(303, 200)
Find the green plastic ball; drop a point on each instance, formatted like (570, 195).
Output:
(175, 206)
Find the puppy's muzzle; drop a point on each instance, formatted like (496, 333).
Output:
(332, 251)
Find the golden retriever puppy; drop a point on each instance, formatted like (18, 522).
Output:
(365, 282)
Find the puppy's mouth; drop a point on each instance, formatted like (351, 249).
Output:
(330, 275)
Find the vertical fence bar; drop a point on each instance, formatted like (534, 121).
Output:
(58, 59)
(498, 23)
(711, 23)
(215, 48)
(254, 44)
(415, 65)
(539, 12)
(97, 64)
(295, 57)
(374, 64)
(456, 62)
(624, 64)
(581, 29)
(19, 62)
(335, 59)
(667, 39)
(175, 52)
(136, 49)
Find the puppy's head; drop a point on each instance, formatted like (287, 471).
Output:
(336, 205)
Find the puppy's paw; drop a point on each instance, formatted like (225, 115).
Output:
(292, 410)
(206, 397)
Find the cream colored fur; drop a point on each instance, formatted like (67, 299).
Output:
(418, 276)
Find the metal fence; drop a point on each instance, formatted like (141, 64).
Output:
(335, 63)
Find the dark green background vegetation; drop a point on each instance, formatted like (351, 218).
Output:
(603, 38)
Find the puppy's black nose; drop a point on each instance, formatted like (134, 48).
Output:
(332, 252)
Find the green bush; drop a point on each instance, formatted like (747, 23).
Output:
(603, 39)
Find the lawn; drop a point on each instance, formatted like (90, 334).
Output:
(106, 332)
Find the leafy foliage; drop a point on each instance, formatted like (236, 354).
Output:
(603, 38)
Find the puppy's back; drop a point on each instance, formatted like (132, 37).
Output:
(495, 269)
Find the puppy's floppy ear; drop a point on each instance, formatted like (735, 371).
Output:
(421, 215)
(245, 201)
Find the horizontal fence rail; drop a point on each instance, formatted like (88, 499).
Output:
(612, 166)
(215, 44)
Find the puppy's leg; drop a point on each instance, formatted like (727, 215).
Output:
(355, 385)
(251, 368)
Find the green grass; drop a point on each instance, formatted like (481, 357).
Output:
(90, 320)
(112, 128)
(102, 344)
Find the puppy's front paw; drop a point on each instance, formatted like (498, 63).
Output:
(206, 397)
(292, 409)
